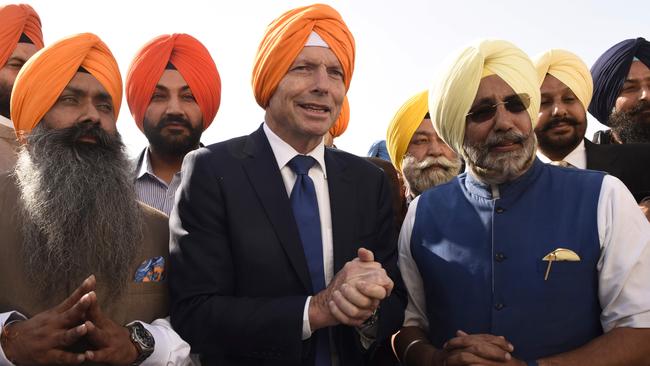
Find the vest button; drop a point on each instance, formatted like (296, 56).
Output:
(499, 306)
(499, 257)
(500, 210)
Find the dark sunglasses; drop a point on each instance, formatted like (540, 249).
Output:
(516, 103)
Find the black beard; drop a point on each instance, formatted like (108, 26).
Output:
(176, 146)
(5, 100)
(629, 126)
(79, 209)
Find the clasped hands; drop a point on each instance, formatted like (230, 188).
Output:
(353, 294)
(45, 339)
(477, 349)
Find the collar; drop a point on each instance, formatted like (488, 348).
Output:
(284, 152)
(577, 157)
(145, 165)
(509, 190)
(6, 122)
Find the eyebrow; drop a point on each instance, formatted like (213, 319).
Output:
(164, 88)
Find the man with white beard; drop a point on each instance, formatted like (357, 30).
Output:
(82, 263)
(416, 150)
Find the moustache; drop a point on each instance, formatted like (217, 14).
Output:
(642, 107)
(554, 122)
(497, 139)
(72, 134)
(430, 161)
(168, 120)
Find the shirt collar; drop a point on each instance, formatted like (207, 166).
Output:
(6, 122)
(145, 165)
(284, 152)
(577, 157)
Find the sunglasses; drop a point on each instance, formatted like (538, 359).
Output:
(516, 103)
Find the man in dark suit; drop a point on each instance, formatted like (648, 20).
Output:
(566, 89)
(277, 263)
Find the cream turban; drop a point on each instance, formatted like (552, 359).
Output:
(452, 96)
(401, 129)
(569, 69)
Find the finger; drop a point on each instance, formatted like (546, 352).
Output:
(486, 351)
(341, 317)
(99, 356)
(94, 311)
(465, 359)
(71, 336)
(365, 255)
(353, 295)
(95, 335)
(460, 333)
(473, 339)
(86, 286)
(377, 276)
(77, 313)
(349, 309)
(371, 290)
(58, 357)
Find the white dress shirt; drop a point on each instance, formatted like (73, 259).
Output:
(577, 157)
(283, 153)
(623, 267)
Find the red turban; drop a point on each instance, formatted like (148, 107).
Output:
(193, 62)
(14, 21)
(285, 38)
(40, 82)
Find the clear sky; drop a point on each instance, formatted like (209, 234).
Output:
(400, 44)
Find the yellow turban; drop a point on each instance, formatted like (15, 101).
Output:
(401, 129)
(570, 70)
(40, 82)
(452, 96)
(285, 38)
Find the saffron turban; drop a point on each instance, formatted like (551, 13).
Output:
(569, 69)
(451, 97)
(285, 38)
(401, 129)
(193, 62)
(40, 82)
(14, 21)
(341, 124)
(609, 73)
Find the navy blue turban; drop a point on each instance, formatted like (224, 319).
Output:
(609, 73)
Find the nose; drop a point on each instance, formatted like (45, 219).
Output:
(321, 80)
(503, 119)
(174, 106)
(558, 109)
(91, 113)
(645, 92)
(435, 148)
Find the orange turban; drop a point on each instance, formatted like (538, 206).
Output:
(341, 123)
(48, 72)
(193, 62)
(14, 21)
(285, 38)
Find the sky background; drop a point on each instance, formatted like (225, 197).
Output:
(400, 45)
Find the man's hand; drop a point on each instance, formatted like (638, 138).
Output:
(353, 295)
(112, 342)
(483, 349)
(42, 340)
(644, 205)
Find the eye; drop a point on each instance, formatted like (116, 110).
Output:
(569, 100)
(337, 73)
(546, 102)
(300, 68)
(68, 99)
(482, 113)
(105, 107)
(189, 97)
(157, 96)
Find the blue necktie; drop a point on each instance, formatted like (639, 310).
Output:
(305, 210)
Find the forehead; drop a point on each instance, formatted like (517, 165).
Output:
(172, 79)
(553, 85)
(317, 55)
(638, 70)
(86, 83)
(24, 50)
(426, 126)
(493, 87)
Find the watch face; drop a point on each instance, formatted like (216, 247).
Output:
(142, 336)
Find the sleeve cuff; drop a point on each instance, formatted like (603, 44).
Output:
(306, 327)
(5, 319)
(169, 349)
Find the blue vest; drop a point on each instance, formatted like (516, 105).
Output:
(481, 259)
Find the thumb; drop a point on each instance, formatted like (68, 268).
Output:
(365, 255)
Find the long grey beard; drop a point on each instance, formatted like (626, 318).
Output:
(498, 168)
(79, 210)
(424, 174)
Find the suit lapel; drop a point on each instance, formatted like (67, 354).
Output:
(262, 170)
(342, 193)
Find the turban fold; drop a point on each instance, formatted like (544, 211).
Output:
(341, 124)
(48, 72)
(609, 73)
(451, 97)
(193, 62)
(285, 38)
(569, 69)
(401, 129)
(14, 21)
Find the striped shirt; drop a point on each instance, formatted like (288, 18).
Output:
(152, 190)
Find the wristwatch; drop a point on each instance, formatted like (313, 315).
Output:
(143, 341)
